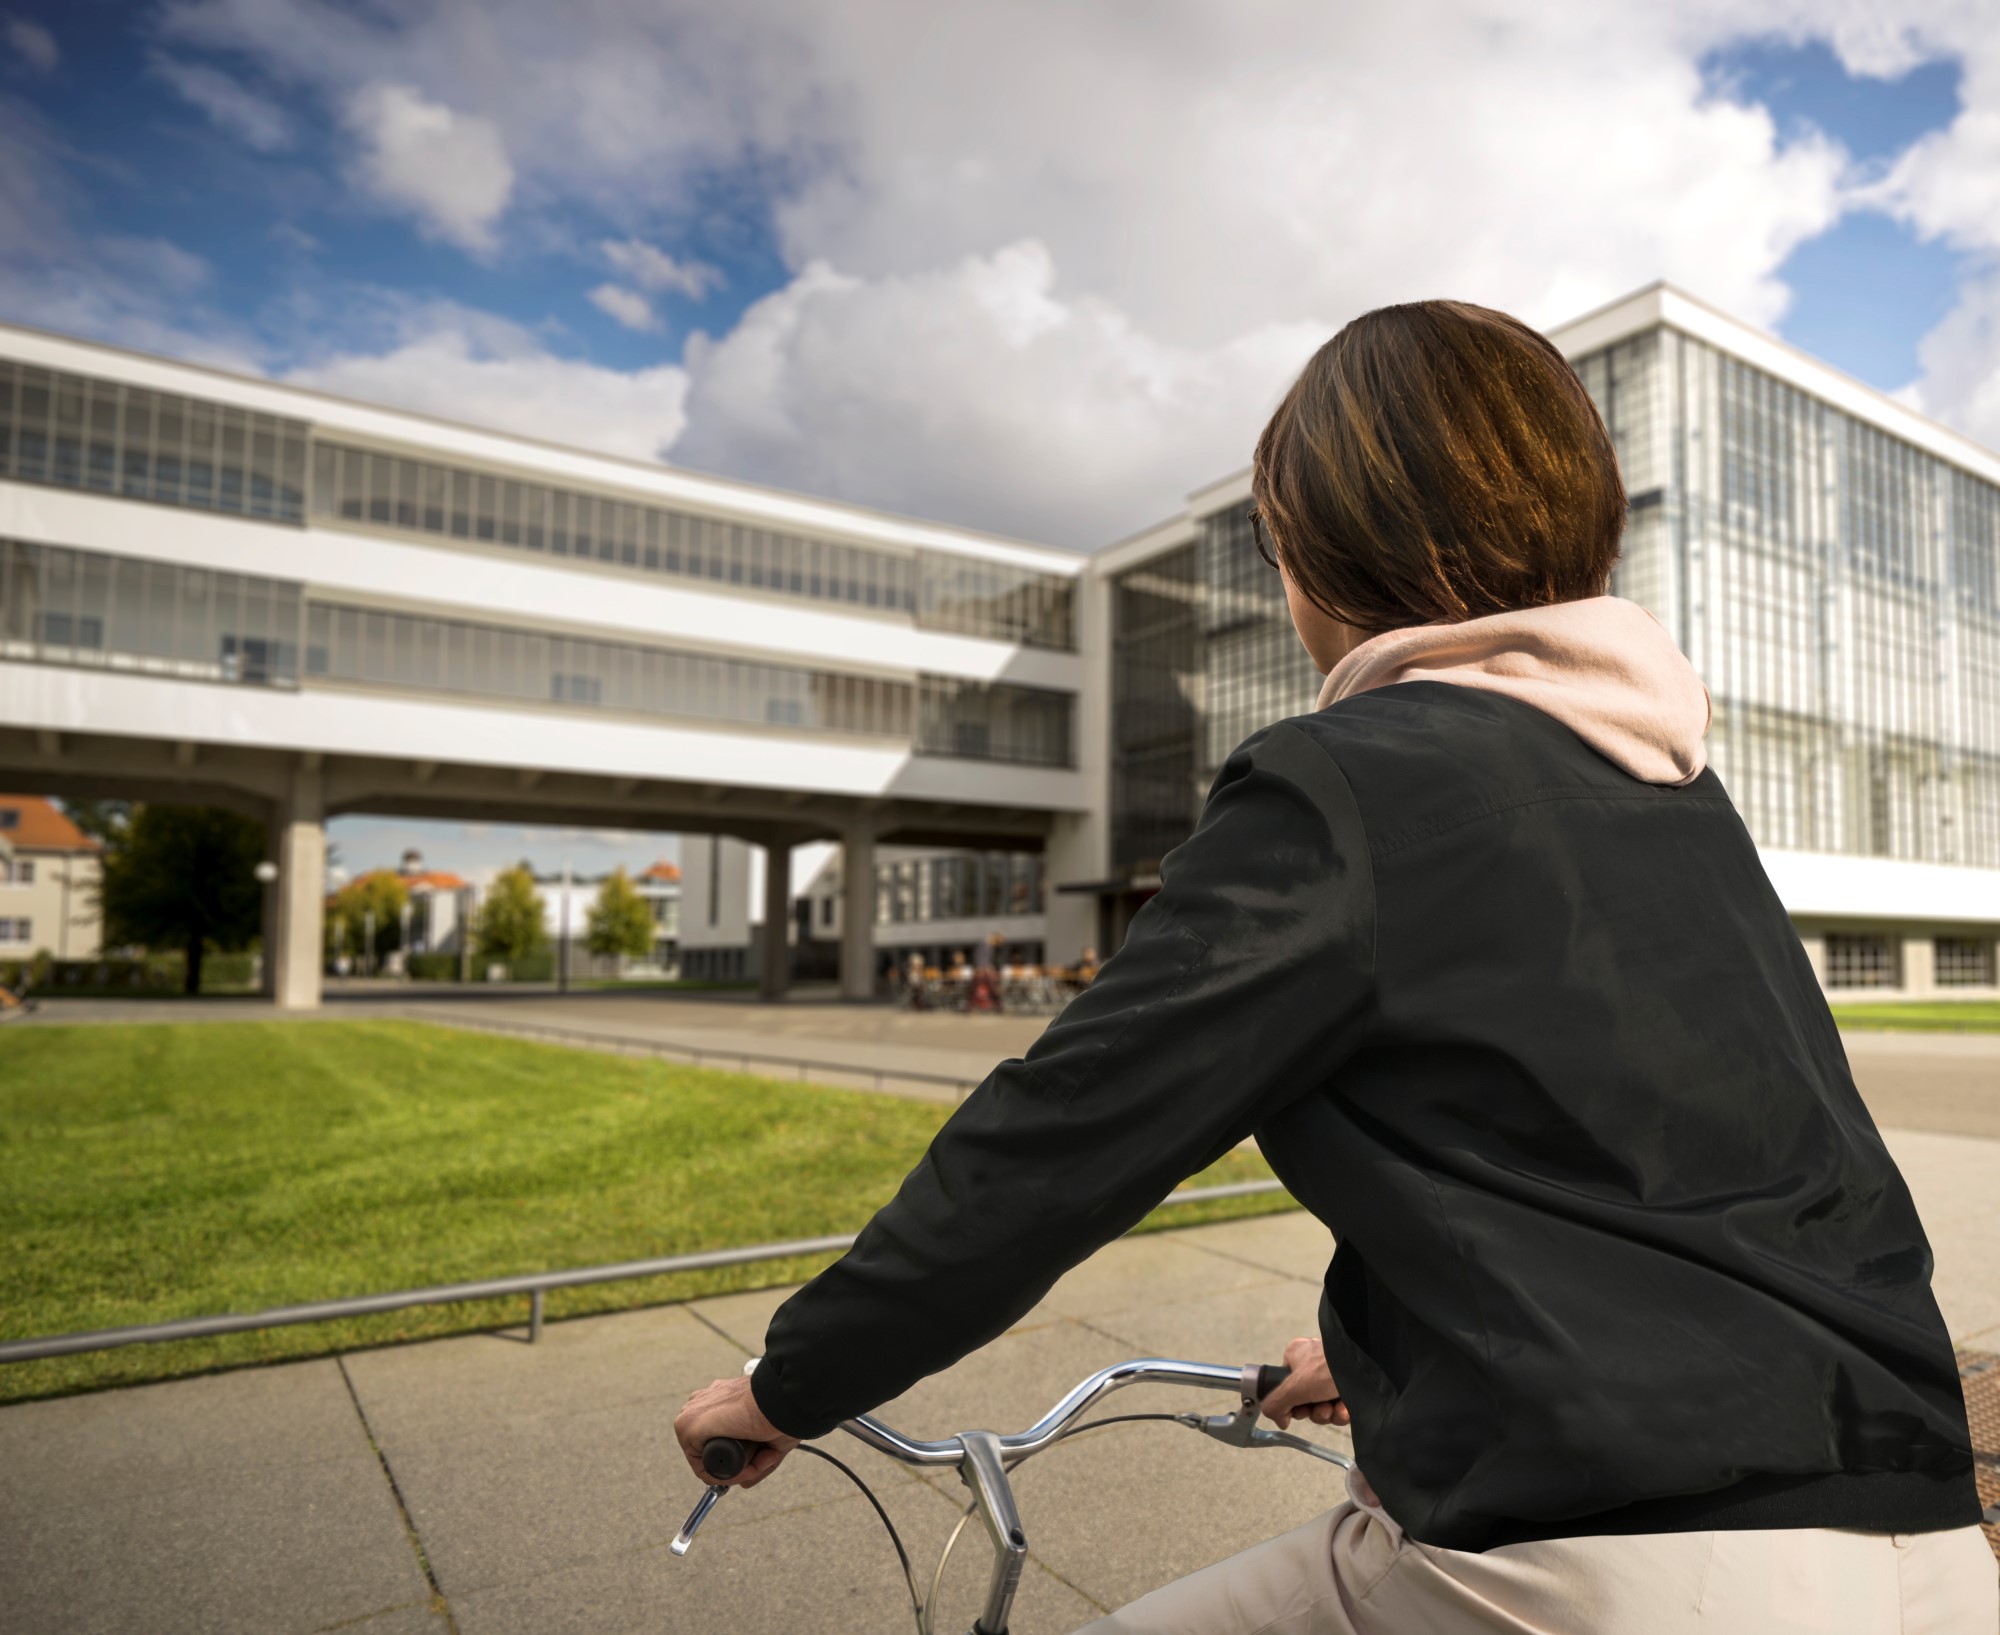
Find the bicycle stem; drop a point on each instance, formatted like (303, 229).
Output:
(985, 1472)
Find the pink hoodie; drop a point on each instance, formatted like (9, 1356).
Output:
(1604, 667)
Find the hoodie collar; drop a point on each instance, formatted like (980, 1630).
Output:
(1603, 666)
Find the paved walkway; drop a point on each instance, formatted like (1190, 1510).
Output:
(485, 1486)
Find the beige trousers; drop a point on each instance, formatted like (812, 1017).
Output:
(1352, 1572)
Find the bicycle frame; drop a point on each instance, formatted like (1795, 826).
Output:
(983, 1459)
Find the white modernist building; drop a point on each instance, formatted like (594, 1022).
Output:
(1828, 558)
(218, 589)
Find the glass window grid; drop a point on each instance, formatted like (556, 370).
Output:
(89, 609)
(371, 646)
(1862, 960)
(936, 590)
(105, 437)
(1836, 588)
(1157, 682)
(961, 886)
(1255, 669)
(994, 721)
(1963, 962)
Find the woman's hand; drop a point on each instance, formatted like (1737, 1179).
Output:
(727, 1408)
(1309, 1392)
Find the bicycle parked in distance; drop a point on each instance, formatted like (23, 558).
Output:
(983, 1461)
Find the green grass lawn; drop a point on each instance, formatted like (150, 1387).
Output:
(1944, 1016)
(175, 1170)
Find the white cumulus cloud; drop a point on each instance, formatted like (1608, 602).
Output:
(627, 307)
(33, 44)
(464, 365)
(652, 268)
(976, 391)
(449, 170)
(1047, 265)
(256, 121)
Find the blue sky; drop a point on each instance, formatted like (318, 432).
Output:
(1028, 267)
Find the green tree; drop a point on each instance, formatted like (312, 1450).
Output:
(347, 915)
(621, 921)
(509, 925)
(102, 820)
(183, 877)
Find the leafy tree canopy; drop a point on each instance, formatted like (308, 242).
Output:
(380, 890)
(621, 921)
(102, 820)
(509, 925)
(183, 877)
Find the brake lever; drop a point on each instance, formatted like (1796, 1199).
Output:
(696, 1517)
(1239, 1430)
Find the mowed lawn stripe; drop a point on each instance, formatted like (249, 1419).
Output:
(171, 1170)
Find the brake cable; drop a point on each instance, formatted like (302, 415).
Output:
(895, 1538)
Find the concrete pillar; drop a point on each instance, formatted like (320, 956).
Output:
(857, 912)
(1079, 843)
(1919, 966)
(1076, 852)
(300, 935)
(774, 956)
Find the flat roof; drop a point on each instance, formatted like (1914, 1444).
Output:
(414, 433)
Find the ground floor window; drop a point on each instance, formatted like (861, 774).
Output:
(17, 930)
(1855, 961)
(1964, 962)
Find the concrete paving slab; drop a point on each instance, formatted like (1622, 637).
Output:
(1245, 1325)
(490, 1383)
(744, 1317)
(1956, 1183)
(1143, 1270)
(293, 1547)
(828, 1569)
(1292, 1244)
(427, 1619)
(498, 1500)
(74, 1450)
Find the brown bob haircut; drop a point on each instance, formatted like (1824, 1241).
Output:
(1436, 462)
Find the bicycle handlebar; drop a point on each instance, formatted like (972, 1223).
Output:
(726, 1457)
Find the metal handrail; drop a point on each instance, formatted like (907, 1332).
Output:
(533, 1284)
(626, 1044)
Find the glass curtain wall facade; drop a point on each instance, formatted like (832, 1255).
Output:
(85, 608)
(1157, 680)
(103, 436)
(410, 652)
(99, 611)
(1204, 654)
(982, 721)
(1836, 588)
(959, 886)
(936, 591)
(73, 431)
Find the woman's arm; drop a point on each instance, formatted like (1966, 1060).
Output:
(1241, 986)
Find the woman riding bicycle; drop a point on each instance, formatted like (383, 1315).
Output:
(1630, 1310)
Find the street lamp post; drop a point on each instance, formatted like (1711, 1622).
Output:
(266, 873)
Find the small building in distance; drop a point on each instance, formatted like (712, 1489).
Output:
(48, 883)
(438, 906)
(660, 884)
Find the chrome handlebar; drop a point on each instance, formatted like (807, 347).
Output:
(1049, 1428)
(983, 1459)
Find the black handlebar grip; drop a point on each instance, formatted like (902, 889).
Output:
(1270, 1377)
(723, 1457)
